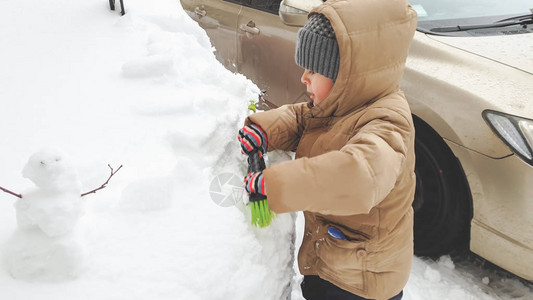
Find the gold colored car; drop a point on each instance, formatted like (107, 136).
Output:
(469, 82)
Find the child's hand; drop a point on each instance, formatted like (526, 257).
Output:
(254, 183)
(253, 137)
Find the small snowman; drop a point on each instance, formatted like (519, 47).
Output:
(45, 245)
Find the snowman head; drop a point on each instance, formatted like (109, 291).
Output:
(50, 169)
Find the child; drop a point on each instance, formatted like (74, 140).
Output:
(353, 176)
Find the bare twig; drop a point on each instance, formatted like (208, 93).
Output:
(113, 172)
(10, 192)
(105, 183)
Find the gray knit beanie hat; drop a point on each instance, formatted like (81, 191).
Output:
(316, 48)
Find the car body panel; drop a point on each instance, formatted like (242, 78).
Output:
(220, 17)
(279, 76)
(237, 49)
(502, 227)
(514, 50)
(500, 250)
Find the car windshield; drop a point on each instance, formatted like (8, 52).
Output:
(431, 10)
(474, 17)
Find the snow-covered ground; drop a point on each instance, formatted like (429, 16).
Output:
(145, 91)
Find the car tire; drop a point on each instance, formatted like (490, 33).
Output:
(443, 203)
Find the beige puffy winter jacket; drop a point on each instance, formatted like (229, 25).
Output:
(354, 166)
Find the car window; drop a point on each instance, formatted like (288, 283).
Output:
(270, 6)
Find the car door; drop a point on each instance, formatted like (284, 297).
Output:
(219, 19)
(265, 49)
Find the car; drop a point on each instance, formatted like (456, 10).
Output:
(469, 83)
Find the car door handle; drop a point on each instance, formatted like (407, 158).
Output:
(250, 28)
(200, 11)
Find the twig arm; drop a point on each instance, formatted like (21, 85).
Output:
(10, 192)
(113, 172)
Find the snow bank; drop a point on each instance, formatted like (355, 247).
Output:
(145, 91)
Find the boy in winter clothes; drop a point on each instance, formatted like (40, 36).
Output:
(353, 176)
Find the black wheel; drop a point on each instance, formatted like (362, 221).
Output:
(443, 203)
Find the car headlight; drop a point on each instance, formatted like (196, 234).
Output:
(516, 132)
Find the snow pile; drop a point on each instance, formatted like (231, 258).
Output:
(464, 276)
(145, 91)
